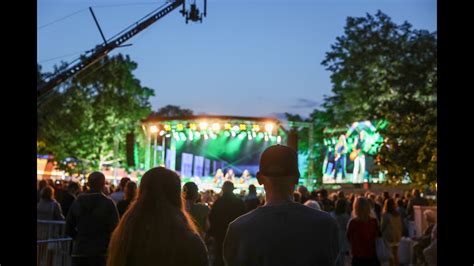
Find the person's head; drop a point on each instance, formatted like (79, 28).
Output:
(390, 207)
(313, 204)
(313, 195)
(416, 193)
(342, 139)
(252, 190)
(130, 191)
(41, 184)
(47, 193)
(396, 196)
(191, 191)
(73, 187)
(341, 206)
(228, 188)
(323, 193)
(297, 197)
(340, 195)
(123, 183)
(386, 195)
(361, 210)
(303, 190)
(429, 216)
(278, 171)
(155, 221)
(400, 203)
(96, 181)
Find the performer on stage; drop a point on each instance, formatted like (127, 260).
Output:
(340, 158)
(229, 176)
(358, 155)
(245, 178)
(218, 177)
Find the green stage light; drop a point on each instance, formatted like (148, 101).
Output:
(235, 128)
(260, 134)
(254, 134)
(190, 135)
(233, 134)
(249, 135)
(242, 135)
(227, 133)
(182, 136)
(180, 127)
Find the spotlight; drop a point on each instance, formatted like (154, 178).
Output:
(249, 136)
(227, 126)
(266, 137)
(193, 126)
(153, 129)
(227, 133)
(206, 136)
(233, 134)
(278, 139)
(216, 126)
(190, 135)
(168, 135)
(269, 127)
(256, 128)
(254, 134)
(162, 132)
(203, 125)
(235, 128)
(243, 127)
(167, 127)
(180, 127)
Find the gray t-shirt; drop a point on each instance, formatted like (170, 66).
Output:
(286, 234)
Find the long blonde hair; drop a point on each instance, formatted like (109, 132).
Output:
(153, 225)
(361, 210)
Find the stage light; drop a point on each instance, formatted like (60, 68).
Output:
(203, 125)
(153, 129)
(249, 136)
(206, 136)
(182, 136)
(197, 135)
(235, 128)
(216, 126)
(260, 134)
(256, 128)
(167, 127)
(213, 136)
(243, 127)
(242, 135)
(269, 127)
(180, 127)
(190, 135)
(254, 134)
(227, 133)
(278, 139)
(227, 126)
(233, 134)
(193, 126)
(162, 132)
(266, 137)
(168, 135)
(176, 136)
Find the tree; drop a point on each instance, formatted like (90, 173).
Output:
(381, 70)
(172, 111)
(89, 118)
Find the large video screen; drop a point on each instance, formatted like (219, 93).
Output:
(350, 153)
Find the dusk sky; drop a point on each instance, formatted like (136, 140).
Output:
(247, 58)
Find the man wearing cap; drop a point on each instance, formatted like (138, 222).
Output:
(281, 232)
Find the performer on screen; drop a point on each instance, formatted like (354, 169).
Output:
(340, 158)
(358, 155)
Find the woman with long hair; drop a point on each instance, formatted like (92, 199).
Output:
(391, 227)
(362, 232)
(156, 229)
(130, 193)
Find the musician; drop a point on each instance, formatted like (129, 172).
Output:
(359, 161)
(230, 175)
(340, 157)
(219, 176)
(245, 178)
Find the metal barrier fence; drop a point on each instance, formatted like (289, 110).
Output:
(53, 246)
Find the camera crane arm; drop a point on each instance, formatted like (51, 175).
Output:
(103, 49)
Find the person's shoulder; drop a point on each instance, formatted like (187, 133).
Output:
(245, 219)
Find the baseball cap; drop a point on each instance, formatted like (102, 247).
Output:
(279, 161)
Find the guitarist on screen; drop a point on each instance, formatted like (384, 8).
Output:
(340, 157)
(358, 155)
